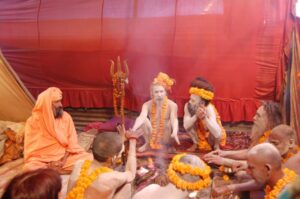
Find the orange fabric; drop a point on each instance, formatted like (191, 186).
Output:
(48, 139)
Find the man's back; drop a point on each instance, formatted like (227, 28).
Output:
(105, 185)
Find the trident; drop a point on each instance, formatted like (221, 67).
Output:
(119, 79)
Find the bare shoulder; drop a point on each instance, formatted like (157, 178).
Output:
(172, 104)
(75, 172)
(147, 103)
(210, 107)
(186, 110)
(210, 110)
(77, 166)
(186, 106)
(113, 179)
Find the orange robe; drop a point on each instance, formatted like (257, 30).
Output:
(48, 139)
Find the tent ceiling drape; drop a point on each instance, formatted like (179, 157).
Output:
(237, 45)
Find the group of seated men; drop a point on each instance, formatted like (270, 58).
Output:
(51, 143)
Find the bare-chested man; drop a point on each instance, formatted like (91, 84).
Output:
(96, 179)
(158, 118)
(293, 163)
(201, 119)
(180, 182)
(264, 165)
(283, 138)
(267, 116)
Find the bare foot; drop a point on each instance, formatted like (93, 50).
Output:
(192, 148)
(143, 148)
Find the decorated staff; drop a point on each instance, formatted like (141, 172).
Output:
(119, 78)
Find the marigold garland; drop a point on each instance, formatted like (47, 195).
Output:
(203, 143)
(177, 166)
(264, 137)
(226, 178)
(203, 133)
(289, 176)
(85, 180)
(205, 94)
(157, 134)
(119, 93)
(164, 80)
(222, 168)
(289, 155)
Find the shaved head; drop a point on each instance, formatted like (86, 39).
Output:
(283, 138)
(107, 145)
(263, 160)
(266, 154)
(284, 131)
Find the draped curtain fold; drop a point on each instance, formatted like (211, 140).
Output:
(237, 45)
(295, 82)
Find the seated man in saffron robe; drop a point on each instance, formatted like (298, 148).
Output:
(50, 139)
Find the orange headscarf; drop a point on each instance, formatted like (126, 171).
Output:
(43, 112)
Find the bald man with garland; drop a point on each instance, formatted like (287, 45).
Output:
(265, 167)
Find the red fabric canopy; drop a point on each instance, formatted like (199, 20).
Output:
(237, 45)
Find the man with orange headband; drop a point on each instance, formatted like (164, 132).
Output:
(162, 113)
(50, 135)
(201, 119)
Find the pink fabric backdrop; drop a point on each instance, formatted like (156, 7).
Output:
(237, 45)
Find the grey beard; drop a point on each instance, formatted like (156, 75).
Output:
(256, 133)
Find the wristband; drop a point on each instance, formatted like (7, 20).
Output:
(132, 138)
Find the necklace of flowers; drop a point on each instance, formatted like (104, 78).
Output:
(85, 180)
(157, 134)
(119, 93)
(289, 155)
(180, 167)
(264, 137)
(202, 135)
(289, 176)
